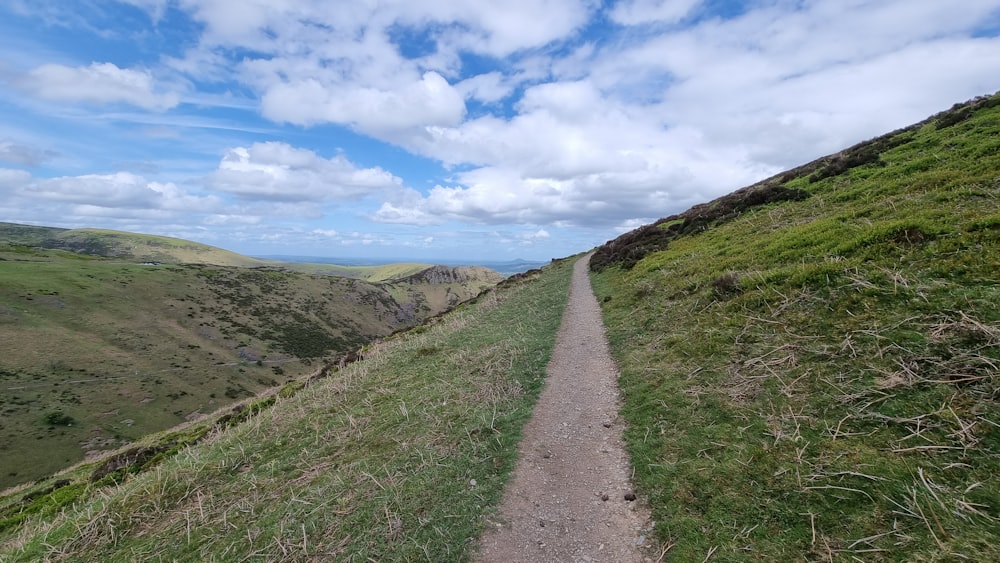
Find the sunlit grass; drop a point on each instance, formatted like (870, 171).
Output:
(818, 379)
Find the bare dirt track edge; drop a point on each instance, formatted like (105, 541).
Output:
(570, 498)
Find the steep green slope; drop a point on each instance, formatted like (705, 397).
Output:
(394, 458)
(97, 352)
(810, 365)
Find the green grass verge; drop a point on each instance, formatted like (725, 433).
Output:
(818, 379)
(394, 458)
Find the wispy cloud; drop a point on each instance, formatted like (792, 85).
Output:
(24, 155)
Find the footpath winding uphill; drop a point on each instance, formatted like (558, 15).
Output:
(570, 498)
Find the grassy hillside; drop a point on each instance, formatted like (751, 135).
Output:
(810, 365)
(809, 370)
(99, 352)
(395, 457)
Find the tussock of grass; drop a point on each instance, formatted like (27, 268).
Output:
(818, 379)
(394, 457)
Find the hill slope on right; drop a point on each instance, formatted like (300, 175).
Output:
(811, 365)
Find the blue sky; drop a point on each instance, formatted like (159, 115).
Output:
(423, 129)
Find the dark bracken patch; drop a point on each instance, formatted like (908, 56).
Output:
(140, 458)
(633, 246)
(861, 154)
(963, 111)
(129, 461)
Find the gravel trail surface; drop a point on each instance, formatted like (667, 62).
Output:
(570, 498)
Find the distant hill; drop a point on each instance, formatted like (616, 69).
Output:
(123, 245)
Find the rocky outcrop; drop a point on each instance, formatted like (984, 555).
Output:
(453, 274)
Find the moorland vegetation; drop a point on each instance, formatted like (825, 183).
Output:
(810, 364)
(110, 336)
(809, 368)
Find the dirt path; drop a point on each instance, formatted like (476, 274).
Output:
(567, 500)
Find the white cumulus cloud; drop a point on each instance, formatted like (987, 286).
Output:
(118, 190)
(11, 179)
(639, 129)
(278, 171)
(101, 83)
(431, 100)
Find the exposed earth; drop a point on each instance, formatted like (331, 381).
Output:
(570, 498)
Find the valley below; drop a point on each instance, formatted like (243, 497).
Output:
(100, 350)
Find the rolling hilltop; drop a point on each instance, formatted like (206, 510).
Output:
(809, 369)
(133, 247)
(110, 336)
